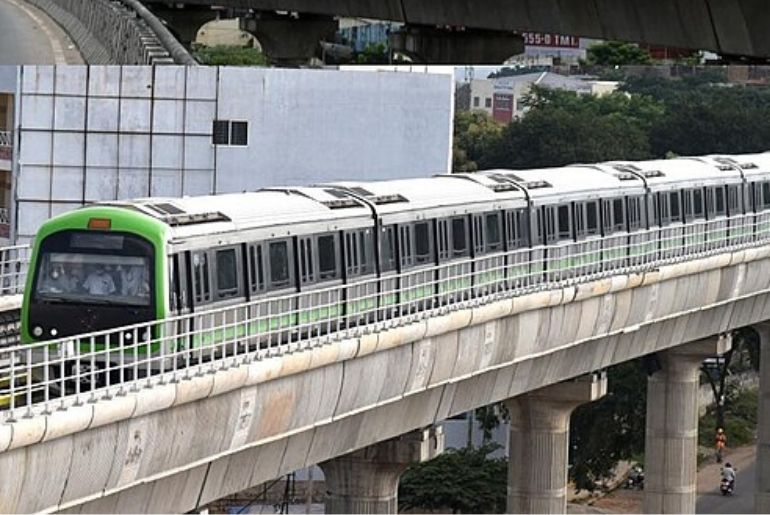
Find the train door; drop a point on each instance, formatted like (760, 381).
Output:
(739, 225)
(558, 237)
(615, 245)
(588, 250)
(488, 258)
(360, 279)
(320, 307)
(716, 214)
(695, 220)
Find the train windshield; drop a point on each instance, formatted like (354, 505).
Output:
(91, 268)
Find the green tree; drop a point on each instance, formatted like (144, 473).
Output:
(610, 429)
(373, 54)
(459, 480)
(475, 132)
(563, 127)
(616, 53)
(229, 55)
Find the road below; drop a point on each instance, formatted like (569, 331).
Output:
(710, 500)
(28, 36)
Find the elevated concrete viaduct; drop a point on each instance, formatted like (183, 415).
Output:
(193, 438)
(729, 27)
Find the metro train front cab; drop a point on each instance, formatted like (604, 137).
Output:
(93, 269)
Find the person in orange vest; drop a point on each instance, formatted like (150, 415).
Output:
(721, 443)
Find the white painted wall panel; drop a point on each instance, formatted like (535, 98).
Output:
(168, 116)
(36, 112)
(101, 183)
(67, 183)
(37, 79)
(103, 114)
(71, 82)
(148, 132)
(69, 113)
(104, 81)
(134, 115)
(169, 82)
(35, 148)
(68, 149)
(102, 150)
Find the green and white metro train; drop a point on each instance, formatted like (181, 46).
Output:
(117, 263)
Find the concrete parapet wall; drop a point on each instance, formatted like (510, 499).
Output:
(106, 32)
(180, 445)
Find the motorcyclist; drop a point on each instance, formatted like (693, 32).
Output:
(728, 474)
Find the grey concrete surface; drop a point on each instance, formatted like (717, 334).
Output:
(177, 446)
(762, 497)
(539, 443)
(28, 36)
(366, 481)
(671, 436)
(726, 26)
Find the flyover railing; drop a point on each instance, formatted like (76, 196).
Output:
(14, 264)
(41, 377)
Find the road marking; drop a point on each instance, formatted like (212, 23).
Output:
(58, 51)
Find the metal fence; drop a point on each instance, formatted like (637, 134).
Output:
(14, 263)
(55, 374)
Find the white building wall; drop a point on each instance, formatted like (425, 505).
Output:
(111, 132)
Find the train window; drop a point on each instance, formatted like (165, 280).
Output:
(422, 243)
(614, 218)
(548, 215)
(592, 218)
(327, 257)
(201, 277)
(460, 236)
(720, 207)
(388, 248)
(256, 268)
(635, 213)
(227, 273)
(698, 209)
(734, 200)
(494, 241)
(173, 283)
(675, 211)
(766, 194)
(564, 222)
(280, 271)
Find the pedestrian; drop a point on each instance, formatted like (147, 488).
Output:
(721, 443)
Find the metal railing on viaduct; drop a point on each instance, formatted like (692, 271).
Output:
(173, 413)
(73, 369)
(116, 32)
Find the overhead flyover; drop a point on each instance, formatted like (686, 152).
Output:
(728, 27)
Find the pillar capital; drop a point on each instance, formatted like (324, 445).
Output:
(366, 480)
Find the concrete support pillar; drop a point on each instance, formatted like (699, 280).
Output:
(366, 481)
(762, 493)
(539, 443)
(442, 46)
(184, 22)
(671, 440)
(290, 39)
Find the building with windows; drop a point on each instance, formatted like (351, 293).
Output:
(104, 133)
(502, 98)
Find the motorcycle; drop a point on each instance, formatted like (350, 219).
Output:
(635, 479)
(726, 486)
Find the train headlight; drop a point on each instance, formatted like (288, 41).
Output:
(128, 336)
(37, 331)
(54, 331)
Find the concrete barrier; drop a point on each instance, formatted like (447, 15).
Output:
(110, 32)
